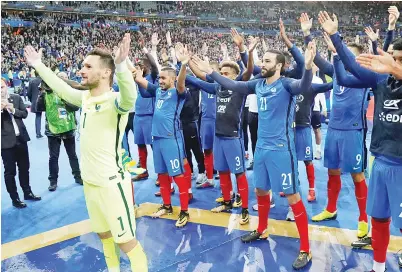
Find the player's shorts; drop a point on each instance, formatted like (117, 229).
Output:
(316, 119)
(169, 155)
(111, 208)
(304, 144)
(276, 170)
(385, 190)
(344, 149)
(143, 129)
(229, 155)
(207, 131)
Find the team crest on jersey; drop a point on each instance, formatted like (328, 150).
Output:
(97, 107)
(297, 108)
(273, 90)
(169, 94)
(299, 98)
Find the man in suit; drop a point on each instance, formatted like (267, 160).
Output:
(14, 148)
(33, 93)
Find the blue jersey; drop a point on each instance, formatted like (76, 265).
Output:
(166, 121)
(144, 106)
(276, 115)
(348, 107)
(208, 105)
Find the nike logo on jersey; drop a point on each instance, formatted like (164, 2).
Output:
(238, 168)
(120, 235)
(285, 188)
(356, 168)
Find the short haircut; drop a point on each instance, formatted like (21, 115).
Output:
(231, 64)
(359, 47)
(280, 57)
(106, 60)
(287, 55)
(397, 44)
(169, 70)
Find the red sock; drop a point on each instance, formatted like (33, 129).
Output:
(209, 164)
(380, 239)
(302, 225)
(164, 186)
(226, 185)
(187, 174)
(361, 197)
(263, 211)
(142, 154)
(333, 189)
(182, 183)
(242, 184)
(310, 175)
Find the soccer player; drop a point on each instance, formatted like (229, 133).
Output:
(228, 143)
(275, 161)
(344, 148)
(144, 108)
(107, 187)
(385, 188)
(168, 141)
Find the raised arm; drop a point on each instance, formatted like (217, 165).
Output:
(303, 84)
(392, 19)
(63, 90)
(321, 88)
(205, 86)
(331, 27)
(250, 64)
(181, 79)
(146, 89)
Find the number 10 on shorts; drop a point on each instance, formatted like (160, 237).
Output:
(175, 164)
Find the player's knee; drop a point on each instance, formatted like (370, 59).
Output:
(240, 174)
(207, 151)
(293, 198)
(334, 172)
(308, 163)
(128, 246)
(261, 192)
(358, 177)
(381, 220)
(105, 235)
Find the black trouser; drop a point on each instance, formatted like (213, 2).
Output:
(54, 144)
(244, 122)
(16, 155)
(192, 142)
(129, 126)
(38, 122)
(253, 125)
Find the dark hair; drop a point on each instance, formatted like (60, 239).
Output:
(288, 56)
(231, 64)
(280, 57)
(170, 70)
(397, 44)
(359, 47)
(106, 61)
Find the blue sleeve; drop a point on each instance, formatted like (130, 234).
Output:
(297, 72)
(209, 79)
(205, 86)
(321, 88)
(300, 85)
(388, 39)
(374, 45)
(178, 67)
(244, 58)
(240, 63)
(322, 64)
(245, 87)
(351, 65)
(345, 79)
(149, 92)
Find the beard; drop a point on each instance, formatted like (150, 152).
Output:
(268, 73)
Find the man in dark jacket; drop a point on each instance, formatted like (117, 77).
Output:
(33, 93)
(14, 148)
(60, 125)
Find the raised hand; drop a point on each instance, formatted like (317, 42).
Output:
(202, 65)
(393, 16)
(31, 56)
(154, 39)
(329, 25)
(383, 63)
(252, 43)
(306, 23)
(283, 34)
(237, 39)
(182, 53)
(373, 36)
(330, 45)
(123, 50)
(310, 54)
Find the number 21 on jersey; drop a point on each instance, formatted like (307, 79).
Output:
(263, 103)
